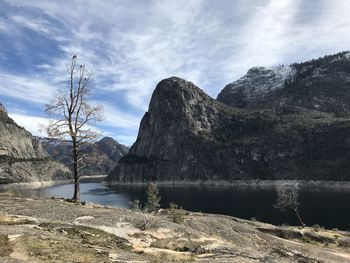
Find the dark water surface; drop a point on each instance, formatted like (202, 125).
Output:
(327, 208)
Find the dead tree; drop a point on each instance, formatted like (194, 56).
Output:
(287, 198)
(71, 116)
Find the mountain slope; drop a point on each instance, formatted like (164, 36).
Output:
(322, 84)
(22, 158)
(188, 136)
(99, 157)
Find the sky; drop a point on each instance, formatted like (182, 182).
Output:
(129, 46)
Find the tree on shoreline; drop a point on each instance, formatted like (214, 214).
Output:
(287, 198)
(153, 198)
(71, 115)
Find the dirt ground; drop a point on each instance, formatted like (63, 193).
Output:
(53, 230)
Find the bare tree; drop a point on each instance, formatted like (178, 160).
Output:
(287, 198)
(71, 115)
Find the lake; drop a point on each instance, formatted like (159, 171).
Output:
(327, 208)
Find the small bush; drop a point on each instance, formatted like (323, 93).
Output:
(147, 223)
(135, 205)
(176, 213)
(316, 227)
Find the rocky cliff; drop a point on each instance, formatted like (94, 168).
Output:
(99, 157)
(22, 158)
(283, 123)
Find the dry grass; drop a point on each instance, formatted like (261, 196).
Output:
(14, 220)
(62, 250)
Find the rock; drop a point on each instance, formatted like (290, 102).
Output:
(188, 136)
(345, 242)
(271, 260)
(22, 157)
(252, 88)
(203, 237)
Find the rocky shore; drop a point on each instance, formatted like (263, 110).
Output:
(53, 230)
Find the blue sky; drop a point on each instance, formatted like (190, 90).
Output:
(129, 46)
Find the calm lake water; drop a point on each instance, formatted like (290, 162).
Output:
(327, 208)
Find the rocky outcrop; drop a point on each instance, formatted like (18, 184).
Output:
(98, 158)
(188, 136)
(53, 230)
(96, 233)
(254, 87)
(22, 158)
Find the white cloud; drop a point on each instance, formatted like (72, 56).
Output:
(33, 124)
(27, 88)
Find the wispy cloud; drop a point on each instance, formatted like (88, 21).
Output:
(27, 88)
(113, 117)
(35, 24)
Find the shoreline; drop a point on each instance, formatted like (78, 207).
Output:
(43, 184)
(252, 184)
(260, 184)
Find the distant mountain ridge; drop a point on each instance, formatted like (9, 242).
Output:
(321, 84)
(287, 122)
(22, 157)
(99, 157)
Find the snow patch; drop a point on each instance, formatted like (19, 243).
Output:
(261, 80)
(347, 55)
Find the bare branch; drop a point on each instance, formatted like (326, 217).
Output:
(73, 114)
(287, 198)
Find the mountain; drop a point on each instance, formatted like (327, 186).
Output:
(288, 122)
(99, 157)
(322, 84)
(22, 157)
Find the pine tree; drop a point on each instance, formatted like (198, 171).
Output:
(153, 198)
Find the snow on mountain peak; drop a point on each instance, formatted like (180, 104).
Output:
(261, 80)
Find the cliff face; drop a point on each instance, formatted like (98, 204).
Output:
(22, 158)
(99, 157)
(186, 135)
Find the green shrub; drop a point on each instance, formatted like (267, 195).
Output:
(135, 205)
(176, 214)
(153, 198)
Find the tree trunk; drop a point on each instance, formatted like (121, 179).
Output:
(76, 196)
(297, 213)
